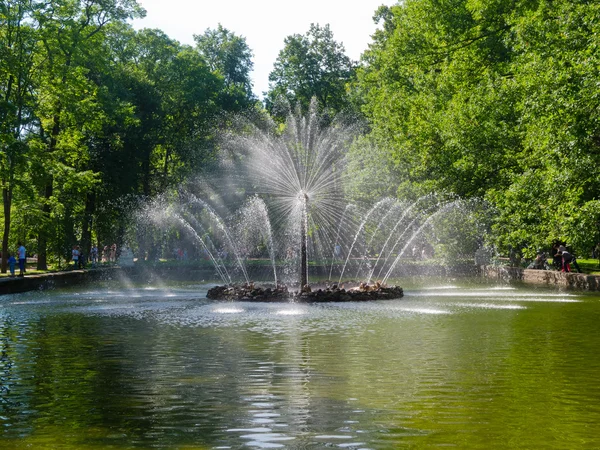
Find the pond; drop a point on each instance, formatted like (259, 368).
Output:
(454, 363)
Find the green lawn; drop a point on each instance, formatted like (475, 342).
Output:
(591, 266)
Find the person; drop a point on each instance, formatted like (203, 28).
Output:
(94, 255)
(81, 261)
(566, 258)
(338, 251)
(556, 256)
(75, 257)
(514, 257)
(22, 255)
(12, 261)
(539, 263)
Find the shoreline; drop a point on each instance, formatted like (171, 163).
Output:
(570, 280)
(53, 280)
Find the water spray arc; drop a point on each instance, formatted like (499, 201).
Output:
(291, 212)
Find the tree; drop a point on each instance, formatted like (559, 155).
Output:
(556, 71)
(230, 57)
(311, 65)
(18, 38)
(72, 33)
(493, 100)
(164, 129)
(175, 100)
(95, 117)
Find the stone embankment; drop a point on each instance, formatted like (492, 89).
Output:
(544, 277)
(66, 278)
(51, 280)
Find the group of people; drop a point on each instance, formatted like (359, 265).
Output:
(22, 259)
(562, 259)
(181, 254)
(109, 254)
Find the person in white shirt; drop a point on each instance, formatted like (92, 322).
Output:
(22, 255)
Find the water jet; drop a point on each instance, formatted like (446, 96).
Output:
(280, 201)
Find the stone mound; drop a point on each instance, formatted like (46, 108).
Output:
(250, 293)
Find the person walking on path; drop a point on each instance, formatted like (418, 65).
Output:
(22, 255)
(94, 255)
(75, 256)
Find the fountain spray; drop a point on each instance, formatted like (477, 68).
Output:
(303, 197)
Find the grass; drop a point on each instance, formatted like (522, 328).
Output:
(589, 266)
(31, 270)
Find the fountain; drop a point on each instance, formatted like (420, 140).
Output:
(126, 257)
(279, 201)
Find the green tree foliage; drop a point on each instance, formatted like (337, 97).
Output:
(493, 99)
(169, 101)
(370, 174)
(18, 49)
(95, 116)
(72, 34)
(311, 65)
(174, 97)
(230, 57)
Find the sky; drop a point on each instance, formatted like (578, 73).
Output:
(264, 24)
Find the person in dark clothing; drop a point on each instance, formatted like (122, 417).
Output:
(556, 257)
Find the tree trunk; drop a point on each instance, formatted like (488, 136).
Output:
(48, 191)
(42, 262)
(7, 201)
(166, 168)
(6, 192)
(146, 174)
(86, 226)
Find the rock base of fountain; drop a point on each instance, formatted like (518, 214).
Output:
(251, 293)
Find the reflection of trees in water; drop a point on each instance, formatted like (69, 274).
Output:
(172, 375)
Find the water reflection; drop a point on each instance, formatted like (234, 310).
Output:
(162, 367)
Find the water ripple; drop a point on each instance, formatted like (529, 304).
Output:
(474, 369)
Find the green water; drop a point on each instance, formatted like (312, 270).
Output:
(450, 365)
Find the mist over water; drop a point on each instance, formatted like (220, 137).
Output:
(275, 181)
